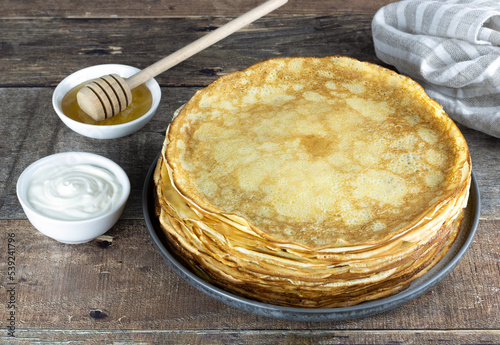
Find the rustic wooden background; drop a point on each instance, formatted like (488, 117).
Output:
(120, 291)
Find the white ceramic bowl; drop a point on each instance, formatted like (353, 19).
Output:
(72, 231)
(110, 131)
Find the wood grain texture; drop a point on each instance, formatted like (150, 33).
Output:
(28, 113)
(261, 337)
(119, 290)
(123, 283)
(48, 56)
(171, 8)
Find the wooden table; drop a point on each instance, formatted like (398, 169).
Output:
(120, 290)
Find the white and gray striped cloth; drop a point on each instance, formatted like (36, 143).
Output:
(451, 48)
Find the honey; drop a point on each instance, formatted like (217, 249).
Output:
(141, 103)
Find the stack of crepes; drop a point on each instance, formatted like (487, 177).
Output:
(312, 182)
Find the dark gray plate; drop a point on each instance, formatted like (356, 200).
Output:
(417, 288)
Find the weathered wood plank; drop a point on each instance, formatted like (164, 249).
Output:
(484, 151)
(261, 337)
(125, 284)
(122, 291)
(39, 53)
(32, 130)
(170, 8)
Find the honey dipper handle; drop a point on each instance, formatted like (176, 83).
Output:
(203, 42)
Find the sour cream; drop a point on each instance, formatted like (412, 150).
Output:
(73, 192)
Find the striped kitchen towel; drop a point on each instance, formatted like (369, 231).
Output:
(451, 48)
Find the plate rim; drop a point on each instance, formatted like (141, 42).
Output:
(361, 310)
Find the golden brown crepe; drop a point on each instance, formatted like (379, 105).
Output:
(312, 182)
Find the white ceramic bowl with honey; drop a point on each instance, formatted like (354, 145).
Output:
(56, 224)
(103, 130)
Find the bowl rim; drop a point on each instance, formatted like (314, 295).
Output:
(24, 180)
(58, 94)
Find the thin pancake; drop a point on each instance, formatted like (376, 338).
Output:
(317, 151)
(312, 182)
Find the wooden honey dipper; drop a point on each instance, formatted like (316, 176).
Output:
(107, 96)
